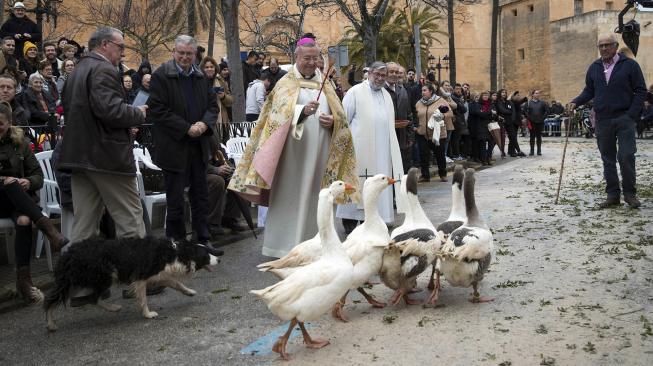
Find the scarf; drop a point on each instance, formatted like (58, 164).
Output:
(485, 105)
(429, 101)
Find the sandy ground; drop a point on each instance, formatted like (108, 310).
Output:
(572, 286)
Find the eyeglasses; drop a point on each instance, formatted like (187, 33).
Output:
(121, 46)
(605, 45)
(187, 54)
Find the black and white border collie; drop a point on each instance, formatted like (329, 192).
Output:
(96, 263)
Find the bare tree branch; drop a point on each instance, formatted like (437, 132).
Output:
(147, 29)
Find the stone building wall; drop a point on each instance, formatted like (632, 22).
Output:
(525, 47)
(574, 49)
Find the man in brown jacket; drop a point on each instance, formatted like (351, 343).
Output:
(98, 145)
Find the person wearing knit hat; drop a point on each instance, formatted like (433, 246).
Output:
(29, 63)
(26, 47)
(20, 27)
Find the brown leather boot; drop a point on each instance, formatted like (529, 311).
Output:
(57, 241)
(25, 287)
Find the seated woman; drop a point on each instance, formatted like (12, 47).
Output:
(20, 178)
(39, 104)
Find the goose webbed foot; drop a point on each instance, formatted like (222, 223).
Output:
(477, 298)
(280, 345)
(312, 343)
(433, 298)
(396, 297)
(431, 285)
(338, 311)
(371, 300)
(410, 301)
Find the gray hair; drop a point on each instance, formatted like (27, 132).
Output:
(306, 45)
(100, 35)
(377, 65)
(185, 40)
(35, 76)
(392, 63)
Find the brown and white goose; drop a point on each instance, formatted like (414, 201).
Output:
(456, 218)
(413, 248)
(467, 254)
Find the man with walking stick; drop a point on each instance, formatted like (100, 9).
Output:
(616, 84)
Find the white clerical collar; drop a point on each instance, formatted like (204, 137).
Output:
(317, 77)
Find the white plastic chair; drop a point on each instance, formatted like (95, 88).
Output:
(236, 148)
(49, 201)
(141, 155)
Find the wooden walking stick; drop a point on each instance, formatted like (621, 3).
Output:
(562, 165)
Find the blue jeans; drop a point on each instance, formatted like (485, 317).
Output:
(446, 143)
(609, 132)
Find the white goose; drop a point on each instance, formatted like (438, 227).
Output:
(307, 251)
(413, 248)
(415, 217)
(467, 254)
(311, 290)
(366, 242)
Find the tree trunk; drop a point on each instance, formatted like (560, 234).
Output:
(212, 20)
(2, 11)
(192, 19)
(125, 14)
(452, 42)
(493, 45)
(370, 37)
(230, 15)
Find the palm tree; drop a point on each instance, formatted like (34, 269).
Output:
(395, 40)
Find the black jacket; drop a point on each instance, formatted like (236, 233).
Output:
(37, 115)
(20, 26)
(624, 95)
(478, 121)
(137, 78)
(250, 73)
(536, 112)
(168, 113)
(274, 77)
(97, 119)
(459, 122)
(19, 161)
(403, 111)
(20, 115)
(505, 110)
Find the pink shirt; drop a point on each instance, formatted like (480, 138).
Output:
(608, 67)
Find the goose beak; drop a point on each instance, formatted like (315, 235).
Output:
(349, 189)
(391, 181)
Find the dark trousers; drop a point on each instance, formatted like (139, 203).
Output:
(220, 203)
(513, 144)
(609, 133)
(251, 117)
(194, 176)
(426, 147)
(465, 145)
(536, 133)
(485, 147)
(15, 202)
(455, 143)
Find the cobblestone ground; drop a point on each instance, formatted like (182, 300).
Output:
(572, 286)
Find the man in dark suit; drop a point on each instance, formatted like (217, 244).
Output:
(182, 109)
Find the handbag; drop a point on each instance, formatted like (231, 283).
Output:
(493, 126)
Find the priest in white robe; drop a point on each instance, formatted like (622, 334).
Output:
(300, 144)
(371, 116)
